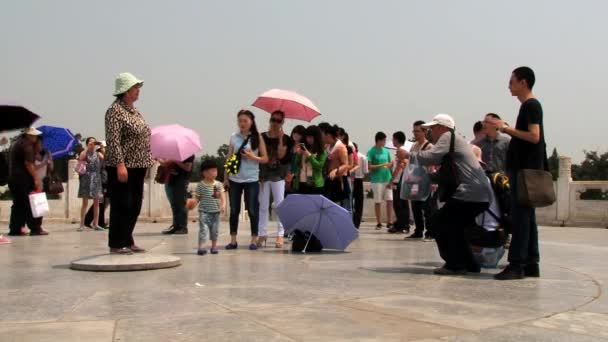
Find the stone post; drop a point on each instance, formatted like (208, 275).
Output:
(563, 189)
(154, 199)
(73, 203)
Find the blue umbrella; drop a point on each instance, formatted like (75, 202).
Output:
(330, 223)
(59, 141)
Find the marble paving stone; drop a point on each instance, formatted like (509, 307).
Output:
(382, 288)
(586, 323)
(95, 331)
(339, 323)
(522, 333)
(202, 326)
(117, 304)
(444, 311)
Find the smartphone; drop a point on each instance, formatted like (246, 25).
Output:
(302, 145)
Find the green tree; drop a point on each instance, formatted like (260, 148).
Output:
(554, 164)
(594, 167)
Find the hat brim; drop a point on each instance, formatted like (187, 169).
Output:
(33, 132)
(430, 124)
(120, 92)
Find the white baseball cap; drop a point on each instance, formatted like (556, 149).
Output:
(442, 120)
(124, 82)
(31, 131)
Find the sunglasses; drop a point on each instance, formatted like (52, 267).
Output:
(275, 120)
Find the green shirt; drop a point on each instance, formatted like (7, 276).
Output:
(381, 156)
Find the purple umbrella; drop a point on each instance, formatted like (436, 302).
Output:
(330, 223)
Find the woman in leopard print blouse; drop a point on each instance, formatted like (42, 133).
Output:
(127, 160)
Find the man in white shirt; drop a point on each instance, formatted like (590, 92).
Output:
(360, 171)
(422, 210)
(400, 206)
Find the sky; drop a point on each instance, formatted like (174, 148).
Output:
(368, 65)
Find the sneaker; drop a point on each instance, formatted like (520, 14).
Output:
(510, 273)
(214, 251)
(390, 226)
(98, 228)
(379, 226)
(168, 231)
(232, 246)
(448, 272)
(201, 251)
(182, 231)
(532, 271)
(123, 251)
(4, 240)
(414, 237)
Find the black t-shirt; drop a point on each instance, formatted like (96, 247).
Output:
(276, 169)
(522, 154)
(21, 152)
(178, 172)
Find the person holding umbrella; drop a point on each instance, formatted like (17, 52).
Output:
(127, 159)
(22, 181)
(273, 173)
(246, 151)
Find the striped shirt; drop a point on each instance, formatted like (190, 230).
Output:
(208, 203)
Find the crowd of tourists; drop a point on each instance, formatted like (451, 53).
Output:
(322, 159)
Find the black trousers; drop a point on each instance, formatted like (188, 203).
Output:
(401, 208)
(449, 227)
(358, 198)
(524, 230)
(20, 187)
(422, 211)
(88, 218)
(306, 189)
(125, 201)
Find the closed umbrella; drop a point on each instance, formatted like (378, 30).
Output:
(330, 223)
(58, 140)
(16, 117)
(294, 105)
(174, 142)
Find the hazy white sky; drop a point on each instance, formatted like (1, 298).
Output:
(367, 65)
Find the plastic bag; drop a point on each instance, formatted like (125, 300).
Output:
(415, 182)
(39, 204)
(489, 257)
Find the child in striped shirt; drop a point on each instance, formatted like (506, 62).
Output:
(211, 203)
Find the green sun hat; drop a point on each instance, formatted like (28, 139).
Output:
(125, 81)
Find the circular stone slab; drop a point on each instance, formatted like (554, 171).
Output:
(118, 262)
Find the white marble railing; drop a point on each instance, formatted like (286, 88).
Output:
(569, 210)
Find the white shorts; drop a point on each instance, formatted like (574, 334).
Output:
(381, 192)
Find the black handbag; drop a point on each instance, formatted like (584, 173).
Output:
(449, 178)
(300, 239)
(52, 185)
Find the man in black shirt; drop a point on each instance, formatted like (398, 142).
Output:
(22, 181)
(526, 151)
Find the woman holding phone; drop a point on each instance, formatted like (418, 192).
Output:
(309, 161)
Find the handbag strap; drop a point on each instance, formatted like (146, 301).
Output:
(452, 141)
(238, 152)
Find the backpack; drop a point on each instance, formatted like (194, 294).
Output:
(301, 238)
(502, 192)
(4, 168)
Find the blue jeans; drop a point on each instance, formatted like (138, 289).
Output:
(252, 205)
(524, 230)
(177, 193)
(209, 225)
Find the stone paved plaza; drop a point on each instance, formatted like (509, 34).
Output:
(382, 289)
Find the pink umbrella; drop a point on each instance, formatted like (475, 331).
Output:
(294, 105)
(174, 142)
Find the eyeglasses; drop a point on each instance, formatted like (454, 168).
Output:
(275, 120)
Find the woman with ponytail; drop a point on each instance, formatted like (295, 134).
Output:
(247, 150)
